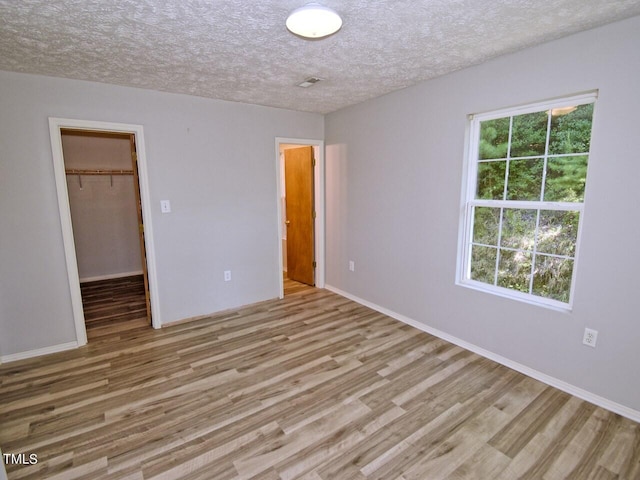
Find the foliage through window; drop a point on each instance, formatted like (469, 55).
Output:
(526, 180)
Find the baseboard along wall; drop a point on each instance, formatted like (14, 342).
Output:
(530, 372)
(14, 357)
(110, 276)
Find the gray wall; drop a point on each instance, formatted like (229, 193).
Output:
(103, 208)
(215, 161)
(394, 177)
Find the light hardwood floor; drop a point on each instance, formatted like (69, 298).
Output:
(312, 387)
(113, 305)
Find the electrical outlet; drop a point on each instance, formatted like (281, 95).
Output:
(227, 275)
(352, 266)
(165, 206)
(590, 337)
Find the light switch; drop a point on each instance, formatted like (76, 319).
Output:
(165, 206)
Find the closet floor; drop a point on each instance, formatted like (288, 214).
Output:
(114, 306)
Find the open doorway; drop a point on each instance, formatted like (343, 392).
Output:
(300, 212)
(108, 230)
(100, 171)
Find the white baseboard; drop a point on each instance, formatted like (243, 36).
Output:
(37, 352)
(110, 276)
(530, 372)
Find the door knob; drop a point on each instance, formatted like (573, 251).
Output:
(287, 222)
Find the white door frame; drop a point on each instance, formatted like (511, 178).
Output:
(318, 178)
(55, 127)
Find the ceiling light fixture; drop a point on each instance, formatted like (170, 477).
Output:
(314, 21)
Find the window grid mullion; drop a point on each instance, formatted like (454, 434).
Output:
(508, 163)
(495, 273)
(533, 157)
(546, 155)
(512, 249)
(534, 252)
(504, 198)
(529, 205)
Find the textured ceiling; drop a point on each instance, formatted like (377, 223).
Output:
(240, 50)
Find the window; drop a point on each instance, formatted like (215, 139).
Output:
(526, 177)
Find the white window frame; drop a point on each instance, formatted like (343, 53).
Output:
(463, 275)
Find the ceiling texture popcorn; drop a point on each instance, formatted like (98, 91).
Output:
(242, 51)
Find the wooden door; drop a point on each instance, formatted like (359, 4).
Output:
(299, 205)
(143, 251)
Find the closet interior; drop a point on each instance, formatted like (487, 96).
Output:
(108, 231)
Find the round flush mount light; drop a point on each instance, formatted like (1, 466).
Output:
(314, 21)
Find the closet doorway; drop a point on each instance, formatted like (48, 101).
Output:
(103, 199)
(106, 215)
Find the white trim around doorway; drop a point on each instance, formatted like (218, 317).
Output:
(55, 126)
(318, 175)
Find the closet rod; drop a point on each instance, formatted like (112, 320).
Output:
(74, 171)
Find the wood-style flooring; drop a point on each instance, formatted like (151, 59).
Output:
(312, 387)
(115, 304)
